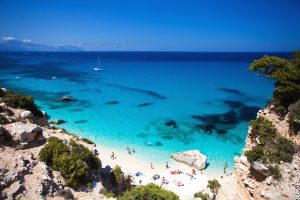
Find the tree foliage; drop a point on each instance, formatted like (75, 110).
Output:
(201, 195)
(214, 185)
(149, 192)
(119, 181)
(75, 162)
(286, 74)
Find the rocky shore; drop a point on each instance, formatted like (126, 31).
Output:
(22, 174)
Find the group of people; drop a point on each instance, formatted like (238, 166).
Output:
(130, 151)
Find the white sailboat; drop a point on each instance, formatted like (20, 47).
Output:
(99, 67)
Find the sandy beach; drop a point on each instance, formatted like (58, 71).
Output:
(131, 165)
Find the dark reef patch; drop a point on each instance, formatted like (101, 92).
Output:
(231, 91)
(167, 137)
(114, 102)
(47, 70)
(233, 104)
(76, 110)
(171, 123)
(148, 92)
(158, 144)
(248, 113)
(145, 104)
(142, 135)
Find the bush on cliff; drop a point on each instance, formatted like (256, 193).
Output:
(75, 162)
(149, 192)
(21, 101)
(294, 118)
(119, 181)
(286, 74)
(271, 147)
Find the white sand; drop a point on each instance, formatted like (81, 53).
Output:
(131, 164)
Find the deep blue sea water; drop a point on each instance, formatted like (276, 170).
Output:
(158, 103)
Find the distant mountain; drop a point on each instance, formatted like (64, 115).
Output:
(16, 45)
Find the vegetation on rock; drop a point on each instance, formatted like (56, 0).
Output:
(294, 118)
(271, 147)
(149, 192)
(119, 181)
(286, 74)
(75, 162)
(214, 185)
(21, 101)
(3, 120)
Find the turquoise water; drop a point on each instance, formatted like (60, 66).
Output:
(158, 103)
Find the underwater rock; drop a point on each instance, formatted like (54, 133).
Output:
(145, 104)
(158, 144)
(57, 121)
(112, 102)
(171, 123)
(192, 158)
(67, 98)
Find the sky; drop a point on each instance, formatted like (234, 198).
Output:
(155, 25)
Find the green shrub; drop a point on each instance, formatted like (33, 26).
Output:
(263, 129)
(3, 120)
(53, 149)
(119, 181)
(22, 101)
(214, 185)
(117, 176)
(75, 162)
(284, 150)
(110, 195)
(201, 195)
(275, 172)
(149, 192)
(255, 154)
(294, 118)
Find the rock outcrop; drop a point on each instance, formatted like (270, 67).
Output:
(192, 158)
(250, 180)
(25, 132)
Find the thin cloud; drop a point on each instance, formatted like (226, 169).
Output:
(26, 40)
(8, 38)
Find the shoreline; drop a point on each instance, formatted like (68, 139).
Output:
(130, 165)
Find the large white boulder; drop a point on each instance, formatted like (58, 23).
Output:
(25, 132)
(192, 158)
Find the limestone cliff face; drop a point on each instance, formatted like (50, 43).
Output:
(246, 182)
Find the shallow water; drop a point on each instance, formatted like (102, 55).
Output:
(158, 103)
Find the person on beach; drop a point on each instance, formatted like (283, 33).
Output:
(167, 165)
(112, 156)
(140, 181)
(133, 150)
(194, 172)
(151, 166)
(225, 167)
(129, 151)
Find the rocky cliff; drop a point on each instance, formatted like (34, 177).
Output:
(248, 182)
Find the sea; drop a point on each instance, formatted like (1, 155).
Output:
(158, 103)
